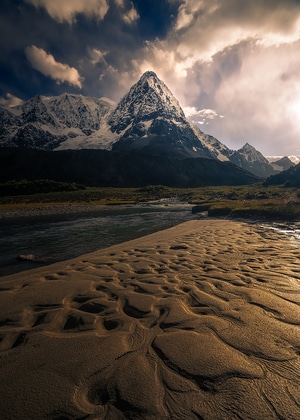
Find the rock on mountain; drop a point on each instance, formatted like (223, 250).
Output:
(66, 121)
(282, 163)
(252, 160)
(150, 119)
(147, 119)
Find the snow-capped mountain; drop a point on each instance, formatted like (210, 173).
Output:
(67, 121)
(150, 119)
(251, 159)
(281, 164)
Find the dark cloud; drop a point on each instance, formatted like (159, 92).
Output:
(231, 58)
(156, 17)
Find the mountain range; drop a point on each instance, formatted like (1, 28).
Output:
(148, 120)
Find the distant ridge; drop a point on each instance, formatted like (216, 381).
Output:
(119, 169)
(288, 178)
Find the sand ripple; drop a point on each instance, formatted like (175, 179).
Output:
(200, 321)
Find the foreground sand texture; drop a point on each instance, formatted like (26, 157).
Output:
(201, 321)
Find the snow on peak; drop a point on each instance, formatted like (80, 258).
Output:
(148, 99)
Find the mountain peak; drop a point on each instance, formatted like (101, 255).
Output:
(148, 75)
(247, 146)
(252, 160)
(147, 100)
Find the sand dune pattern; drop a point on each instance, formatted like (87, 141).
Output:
(200, 321)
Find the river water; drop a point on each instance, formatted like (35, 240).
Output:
(60, 237)
(55, 238)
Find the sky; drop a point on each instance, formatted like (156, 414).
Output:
(233, 65)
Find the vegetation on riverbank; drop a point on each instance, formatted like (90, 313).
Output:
(235, 201)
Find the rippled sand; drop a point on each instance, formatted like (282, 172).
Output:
(200, 321)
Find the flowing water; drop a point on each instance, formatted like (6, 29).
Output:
(60, 237)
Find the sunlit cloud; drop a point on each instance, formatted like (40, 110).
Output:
(96, 55)
(262, 100)
(66, 10)
(234, 59)
(131, 15)
(48, 66)
(10, 100)
(120, 3)
(200, 116)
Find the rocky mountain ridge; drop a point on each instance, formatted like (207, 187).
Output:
(148, 119)
(251, 159)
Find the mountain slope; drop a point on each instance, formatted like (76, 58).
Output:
(147, 120)
(150, 119)
(288, 178)
(120, 169)
(252, 160)
(281, 164)
(65, 121)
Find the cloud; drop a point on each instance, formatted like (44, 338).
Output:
(66, 10)
(120, 3)
(205, 28)
(200, 116)
(262, 99)
(96, 55)
(192, 111)
(10, 100)
(131, 16)
(239, 60)
(48, 66)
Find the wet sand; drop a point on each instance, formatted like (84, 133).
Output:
(200, 321)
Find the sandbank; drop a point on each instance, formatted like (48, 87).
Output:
(199, 321)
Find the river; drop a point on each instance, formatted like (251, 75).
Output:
(60, 237)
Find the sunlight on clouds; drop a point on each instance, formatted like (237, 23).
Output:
(120, 3)
(10, 100)
(200, 116)
(204, 28)
(66, 10)
(237, 58)
(277, 39)
(190, 9)
(184, 19)
(96, 56)
(263, 99)
(191, 111)
(131, 16)
(294, 104)
(46, 64)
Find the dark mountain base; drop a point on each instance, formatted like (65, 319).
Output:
(288, 178)
(118, 169)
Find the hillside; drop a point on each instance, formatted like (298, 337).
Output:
(104, 168)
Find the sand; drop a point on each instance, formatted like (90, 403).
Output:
(200, 321)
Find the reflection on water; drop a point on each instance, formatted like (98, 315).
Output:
(292, 229)
(55, 238)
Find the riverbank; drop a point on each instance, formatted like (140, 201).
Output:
(197, 321)
(38, 210)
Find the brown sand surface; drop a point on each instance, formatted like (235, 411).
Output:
(200, 321)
